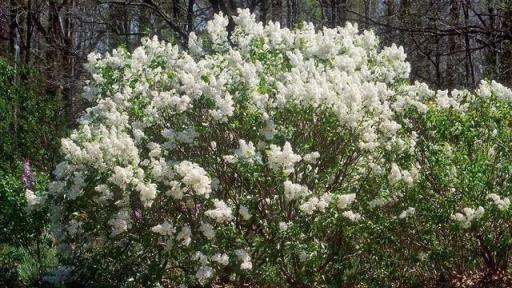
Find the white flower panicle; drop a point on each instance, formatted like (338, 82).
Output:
(194, 177)
(468, 215)
(407, 213)
(311, 157)
(501, 203)
(147, 193)
(282, 158)
(352, 216)
(221, 214)
(283, 226)
(120, 223)
(294, 191)
(345, 200)
(207, 230)
(121, 177)
(185, 235)
(32, 199)
(395, 175)
(316, 204)
(246, 151)
(222, 259)
(164, 229)
(205, 271)
(244, 212)
(244, 258)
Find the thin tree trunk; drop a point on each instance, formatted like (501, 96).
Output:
(266, 11)
(190, 15)
(390, 12)
(470, 72)
(289, 13)
(13, 27)
(333, 13)
(342, 17)
(28, 32)
(453, 44)
(366, 13)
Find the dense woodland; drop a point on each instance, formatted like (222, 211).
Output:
(45, 43)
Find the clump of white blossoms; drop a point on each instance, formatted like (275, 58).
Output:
(501, 203)
(32, 198)
(468, 215)
(282, 158)
(221, 213)
(252, 140)
(407, 213)
(345, 200)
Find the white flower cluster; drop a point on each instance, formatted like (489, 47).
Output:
(501, 203)
(207, 230)
(121, 177)
(147, 192)
(244, 258)
(244, 212)
(246, 152)
(120, 222)
(316, 204)
(282, 158)
(205, 271)
(486, 89)
(346, 200)
(185, 235)
(396, 174)
(165, 229)
(222, 213)
(343, 202)
(468, 215)
(311, 157)
(294, 191)
(352, 216)
(194, 177)
(407, 213)
(32, 199)
(222, 259)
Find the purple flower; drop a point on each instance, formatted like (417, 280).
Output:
(137, 214)
(27, 179)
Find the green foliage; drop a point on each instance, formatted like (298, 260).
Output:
(25, 249)
(31, 123)
(25, 265)
(18, 225)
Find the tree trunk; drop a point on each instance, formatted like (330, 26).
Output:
(13, 28)
(453, 45)
(470, 71)
(266, 11)
(366, 13)
(390, 12)
(29, 29)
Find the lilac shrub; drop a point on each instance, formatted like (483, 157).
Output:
(274, 156)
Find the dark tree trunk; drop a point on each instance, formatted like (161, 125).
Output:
(190, 15)
(13, 27)
(29, 30)
(470, 71)
(453, 45)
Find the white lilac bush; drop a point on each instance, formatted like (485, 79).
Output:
(280, 157)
